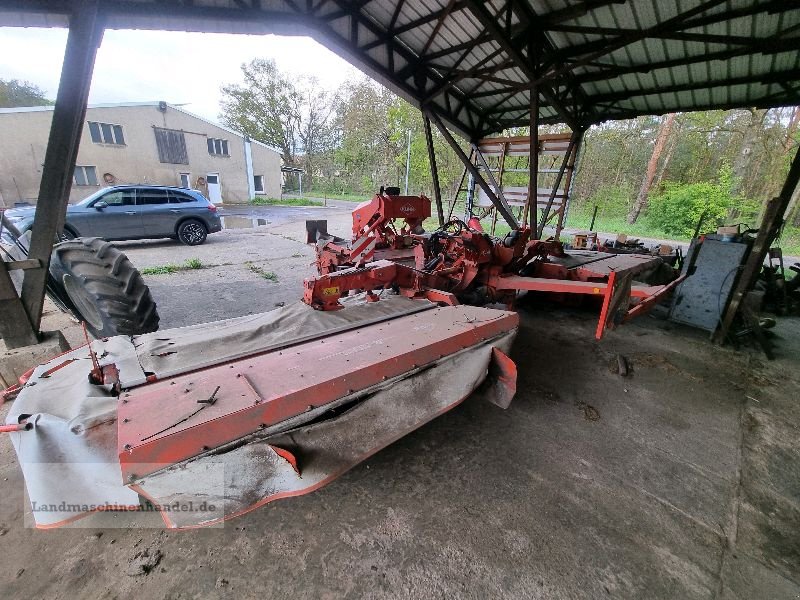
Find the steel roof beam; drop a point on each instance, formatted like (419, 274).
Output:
(573, 12)
(586, 53)
(784, 99)
(500, 205)
(413, 92)
(764, 78)
(597, 48)
(709, 38)
(490, 23)
(69, 113)
(771, 46)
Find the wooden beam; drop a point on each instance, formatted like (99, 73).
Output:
(85, 33)
(767, 232)
(16, 328)
(437, 191)
(533, 160)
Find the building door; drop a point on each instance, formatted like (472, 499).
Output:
(214, 190)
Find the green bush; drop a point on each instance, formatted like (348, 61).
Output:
(611, 199)
(679, 207)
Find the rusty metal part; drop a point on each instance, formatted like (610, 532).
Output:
(10, 393)
(24, 426)
(324, 292)
(374, 235)
(502, 380)
(459, 263)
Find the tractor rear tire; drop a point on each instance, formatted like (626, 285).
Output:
(104, 287)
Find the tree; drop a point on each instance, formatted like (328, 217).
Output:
(652, 166)
(365, 155)
(267, 107)
(315, 130)
(289, 112)
(15, 93)
(753, 128)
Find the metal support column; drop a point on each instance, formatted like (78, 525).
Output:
(85, 34)
(437, 191)
(533, 182)
(501, 207)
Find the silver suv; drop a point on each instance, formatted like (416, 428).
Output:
(135, 212)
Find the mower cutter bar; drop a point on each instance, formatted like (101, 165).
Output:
(218, 405)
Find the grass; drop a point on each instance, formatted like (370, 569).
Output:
(284, 202)
(268, 275)
(347, 196)
(789, 241)
(578, 219)
(618, 224)
(170, 268)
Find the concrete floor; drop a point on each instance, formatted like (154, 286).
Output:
(680, 481)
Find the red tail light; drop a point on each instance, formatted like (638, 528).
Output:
(212, 208)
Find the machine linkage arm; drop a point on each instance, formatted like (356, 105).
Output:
(324, 292)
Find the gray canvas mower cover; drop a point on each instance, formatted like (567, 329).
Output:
(224, 417)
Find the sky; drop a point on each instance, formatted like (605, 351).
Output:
(179, 67)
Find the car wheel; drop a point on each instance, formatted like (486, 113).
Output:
(192, 232)
(104, 287)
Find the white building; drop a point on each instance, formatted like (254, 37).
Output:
(147, 142)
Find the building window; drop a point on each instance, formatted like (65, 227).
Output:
(185, 180)
(85, 176)
(171, 146)
(218, 147)
(106, 133)
(258, 184)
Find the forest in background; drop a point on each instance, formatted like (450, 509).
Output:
(649, 177)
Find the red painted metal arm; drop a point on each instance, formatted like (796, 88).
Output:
(646, 304)
(567, 286)
(611, 314)
(324, 292)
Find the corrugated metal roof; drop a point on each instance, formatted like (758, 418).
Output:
(474, 62)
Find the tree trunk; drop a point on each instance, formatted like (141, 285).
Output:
(662, 169)
(741, 165)
(661, 139)
(788, 141)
